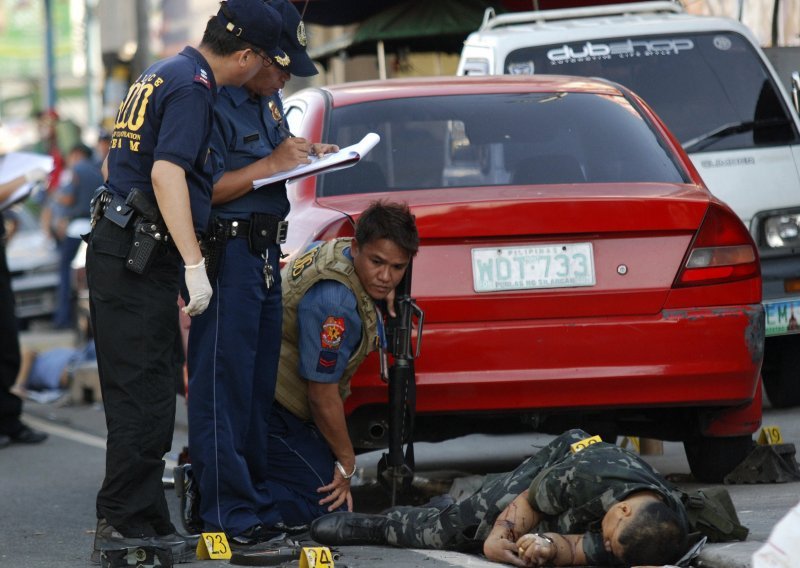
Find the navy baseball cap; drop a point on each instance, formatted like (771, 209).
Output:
(256, 23)
(293, 39)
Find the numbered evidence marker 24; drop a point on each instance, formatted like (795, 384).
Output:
(316, 557)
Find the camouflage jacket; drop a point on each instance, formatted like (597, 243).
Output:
(576, 492)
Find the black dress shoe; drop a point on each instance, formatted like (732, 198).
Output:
(4, 440)
(28, 435)
(107, 537)
(350, 529)
(183, 548)
(260, 537)
(291, 530)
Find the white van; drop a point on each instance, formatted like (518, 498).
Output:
(711, 83)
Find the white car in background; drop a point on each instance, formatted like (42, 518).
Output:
(33, 264)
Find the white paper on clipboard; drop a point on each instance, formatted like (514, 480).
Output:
(16, 164)
(344, 158)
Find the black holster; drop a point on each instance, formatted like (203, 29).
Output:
(212, 245)
(149, 232)
(146, 242)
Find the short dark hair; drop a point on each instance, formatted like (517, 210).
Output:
(83, 149)
(220, 41)
(387, 220)
(654, 536)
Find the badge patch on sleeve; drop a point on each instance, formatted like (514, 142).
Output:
(332, 332)
(327, 361)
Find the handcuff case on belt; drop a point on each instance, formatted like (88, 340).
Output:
(265, 230)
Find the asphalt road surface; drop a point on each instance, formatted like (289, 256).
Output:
(48, 490)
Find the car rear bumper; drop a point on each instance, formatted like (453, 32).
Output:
(34, 294)
(700, 357)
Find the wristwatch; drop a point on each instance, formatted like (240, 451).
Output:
(345, 475)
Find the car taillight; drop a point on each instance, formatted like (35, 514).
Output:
(722, 251)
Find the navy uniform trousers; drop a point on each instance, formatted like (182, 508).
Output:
(233, 364)
(135, 322)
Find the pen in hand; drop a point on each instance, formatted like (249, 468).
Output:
(286, 132)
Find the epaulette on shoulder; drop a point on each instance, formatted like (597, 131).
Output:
(201, 76)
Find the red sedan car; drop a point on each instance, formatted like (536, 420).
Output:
(574, 270)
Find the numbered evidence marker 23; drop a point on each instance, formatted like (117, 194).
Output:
(213, 546)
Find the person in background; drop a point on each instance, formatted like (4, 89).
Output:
(234, 345)
(158, 195)
(44, 375)
(47, 120)
(12, 429)
(102, 147)
(73, 197)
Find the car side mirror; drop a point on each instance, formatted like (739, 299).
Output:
(796, 91)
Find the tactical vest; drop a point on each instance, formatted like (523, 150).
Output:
(323, 262)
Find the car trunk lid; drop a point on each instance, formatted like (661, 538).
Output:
(478, 243)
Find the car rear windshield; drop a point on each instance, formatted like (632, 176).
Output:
(711, 89)
(498, 139)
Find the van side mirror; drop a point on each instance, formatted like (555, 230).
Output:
(796, 91)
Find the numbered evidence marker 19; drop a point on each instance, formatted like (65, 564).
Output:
(770, 435)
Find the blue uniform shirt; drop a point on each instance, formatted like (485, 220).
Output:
(329, 331)
(246, 130)
(167, 115)
(86, 178)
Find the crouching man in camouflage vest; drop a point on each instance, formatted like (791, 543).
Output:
(331, 322)
(600, 505)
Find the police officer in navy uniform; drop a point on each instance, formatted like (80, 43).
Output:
(234, 346)
(333, 298)
(157, 198)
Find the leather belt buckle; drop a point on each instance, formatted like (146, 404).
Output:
(281, 231)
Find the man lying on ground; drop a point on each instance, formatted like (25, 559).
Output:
(565, 506)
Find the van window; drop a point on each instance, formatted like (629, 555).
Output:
(711, 89)
(497, 139)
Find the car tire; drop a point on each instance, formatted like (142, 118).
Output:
(781, 371)
(711, 459)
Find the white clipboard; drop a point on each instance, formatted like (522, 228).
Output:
(344, 158)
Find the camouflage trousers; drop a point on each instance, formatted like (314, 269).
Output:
(464, 526)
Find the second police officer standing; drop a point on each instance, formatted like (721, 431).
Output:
(158, 181)
(234, 346)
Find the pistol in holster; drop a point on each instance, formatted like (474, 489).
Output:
(100, 199)
(149, 232)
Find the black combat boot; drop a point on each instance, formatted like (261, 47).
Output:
(350, 529)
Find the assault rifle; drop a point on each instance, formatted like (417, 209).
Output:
(395, 470)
